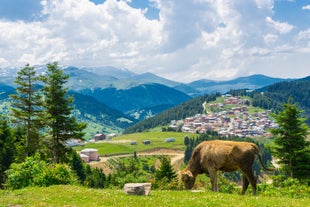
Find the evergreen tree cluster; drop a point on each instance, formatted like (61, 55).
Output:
(41, 119)
(42, 109)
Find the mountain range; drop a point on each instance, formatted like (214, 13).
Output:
(117, 98)
(111, 77)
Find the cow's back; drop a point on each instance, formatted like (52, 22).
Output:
(225, 155)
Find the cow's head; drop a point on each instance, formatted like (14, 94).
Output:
(188, 179)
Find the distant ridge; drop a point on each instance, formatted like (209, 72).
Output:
(123, 97)
(120, 78)
(250, 82)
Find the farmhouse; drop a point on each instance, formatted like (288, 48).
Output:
(85, 158)
(91, 153)
(99, 137)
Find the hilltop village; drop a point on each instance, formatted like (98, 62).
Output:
(232, 117)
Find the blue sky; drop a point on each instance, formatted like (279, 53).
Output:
(179, 40)
(293, 13)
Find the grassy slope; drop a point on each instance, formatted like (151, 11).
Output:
(80, 196)
(157, 141)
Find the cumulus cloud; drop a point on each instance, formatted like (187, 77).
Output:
(79, 32)
(307, 7)
(191, 39)
(281, 27)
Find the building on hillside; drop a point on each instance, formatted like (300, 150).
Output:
(99, 137)
(84, 157)
(91, 153)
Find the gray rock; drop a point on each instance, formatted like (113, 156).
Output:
(137, 188)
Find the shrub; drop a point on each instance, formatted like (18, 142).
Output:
(165, 184)
(129, 170)
(22, 174)
(55, 174)
(36, 172)
(225, 185)
(95, 178)
(285, 187)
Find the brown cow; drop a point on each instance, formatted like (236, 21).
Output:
(227, 156)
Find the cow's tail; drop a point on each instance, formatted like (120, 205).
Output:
(257, 152)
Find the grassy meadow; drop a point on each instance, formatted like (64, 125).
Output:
(74, 195)
(121, 144)
(80, 196)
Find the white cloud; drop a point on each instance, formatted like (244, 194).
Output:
(79, 32)
(268, 4)
(304, 35)
(281, 27)
(307, 7)
(270, 38)
(192, 39)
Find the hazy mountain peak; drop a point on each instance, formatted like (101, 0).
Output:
(119, 73)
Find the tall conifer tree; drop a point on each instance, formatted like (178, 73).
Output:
(290, 138)
(61, 125)
(27, 108)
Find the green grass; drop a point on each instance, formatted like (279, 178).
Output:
(81, 196)
(156, 138)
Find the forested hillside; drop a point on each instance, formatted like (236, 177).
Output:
(5, 91)
(273, 96)
(99, 116)
(188, 108)
(137, 97)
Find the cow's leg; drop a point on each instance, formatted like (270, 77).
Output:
(213, 178)
(245, 184)
(251, 178)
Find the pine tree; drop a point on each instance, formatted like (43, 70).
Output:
(165, 170)
(6, 148)
(61, 124)
(77, 165)
(26, 107)
(96, 178)
(290, 137)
